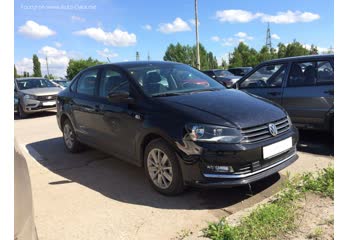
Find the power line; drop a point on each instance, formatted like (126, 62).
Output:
(268, 37)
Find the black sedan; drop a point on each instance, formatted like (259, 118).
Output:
(161, 116)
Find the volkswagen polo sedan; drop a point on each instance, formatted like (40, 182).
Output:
(181, 134)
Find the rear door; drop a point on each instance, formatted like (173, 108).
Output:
(84, 105)
(266, 82)
(309, 92)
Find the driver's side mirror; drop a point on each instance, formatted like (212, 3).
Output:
(120, 97)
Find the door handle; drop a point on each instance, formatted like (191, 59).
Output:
(274, 93)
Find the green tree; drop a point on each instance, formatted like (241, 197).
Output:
(75, 66)
(50, 76)
(36, 66)
(224, 64)
(15, 72)
(296, 49)
(243, 56)
(313, 50)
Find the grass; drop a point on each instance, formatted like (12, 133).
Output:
(277, 217)
(316, 234)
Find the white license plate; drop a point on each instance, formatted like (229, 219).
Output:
(50, 103)
(277, 148)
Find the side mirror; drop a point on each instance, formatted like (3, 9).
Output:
(119, 97)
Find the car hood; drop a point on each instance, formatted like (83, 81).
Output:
(236, 107)
(42, 91)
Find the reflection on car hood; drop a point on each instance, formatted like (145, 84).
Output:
(239, 108)
(42, 91)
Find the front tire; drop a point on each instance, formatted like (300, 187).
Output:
(21, 112)
(162, 168)
(70, 139)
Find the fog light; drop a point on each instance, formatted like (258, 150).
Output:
(222, 169)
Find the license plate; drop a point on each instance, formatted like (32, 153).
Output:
(277, 148)
(50, 103)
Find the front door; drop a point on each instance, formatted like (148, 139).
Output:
(266, 82)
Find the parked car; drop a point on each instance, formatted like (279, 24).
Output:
(181, 134)
(35, 95)
(24, 225)
(61, 82)
(304, 86)
(240, 71)
(222, 76)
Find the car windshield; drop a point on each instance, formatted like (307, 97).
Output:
(34, 83)
(171, 79)
(63, 83)
(223, 73)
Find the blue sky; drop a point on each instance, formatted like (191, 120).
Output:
(117, 29)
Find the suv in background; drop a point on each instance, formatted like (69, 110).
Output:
(304, 86)
(240, 71)
(222, 76)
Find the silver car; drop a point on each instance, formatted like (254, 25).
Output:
(35, 95)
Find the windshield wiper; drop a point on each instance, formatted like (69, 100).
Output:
(205, 90)
(166, 94)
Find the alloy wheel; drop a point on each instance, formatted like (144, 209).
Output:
(68, 136)
(159, 168)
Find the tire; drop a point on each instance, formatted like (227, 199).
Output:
(167, 168)
(70, 139)
(21, 112)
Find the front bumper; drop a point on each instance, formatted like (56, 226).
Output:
(32, 106)
(246, 160)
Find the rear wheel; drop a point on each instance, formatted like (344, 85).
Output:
(70, 139)
(162, 168)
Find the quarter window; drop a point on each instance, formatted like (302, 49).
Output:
(87, 82)
(112, 80)
(266, 77)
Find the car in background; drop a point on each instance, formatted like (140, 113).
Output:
(222, 76)
(35, 95)
(181, 134)
(62, 82)
(304, 86)
(240, 71)
(24, 225)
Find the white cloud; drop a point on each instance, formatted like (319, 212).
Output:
(178, 25)
(117, 38)
(290, 17)
(106, 53)
(77, 19)
(321, 50)
(275, 36)
(236, 15)
(24, 65)
(34, 30)
(243, 35)
(147, 27)
(58, 44)
(215, 38)
(228, 42)
(242, 16)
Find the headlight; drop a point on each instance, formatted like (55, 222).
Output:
(212, 133)
(27, 96)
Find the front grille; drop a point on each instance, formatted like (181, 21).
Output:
(261, 132)
(46, 98)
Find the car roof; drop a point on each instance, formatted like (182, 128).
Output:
(301, 58)
(25, 78)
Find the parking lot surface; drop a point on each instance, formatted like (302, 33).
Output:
(91, 195)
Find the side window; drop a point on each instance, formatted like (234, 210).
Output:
(302, 74)
(266, 77)
(112, 80)
(325, 73)
(87, 82)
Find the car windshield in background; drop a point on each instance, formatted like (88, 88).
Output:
(223, 73)
(63, 83)
(34, 83)
(172, 79)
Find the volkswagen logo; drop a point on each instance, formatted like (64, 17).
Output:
(273, 129)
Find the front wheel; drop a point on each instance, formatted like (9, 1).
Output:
(162, 168)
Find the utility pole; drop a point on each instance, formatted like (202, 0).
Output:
(47, 68)
(137, 56)
(268, 37)
(108, 59)
(148, 57)
(198, 63)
